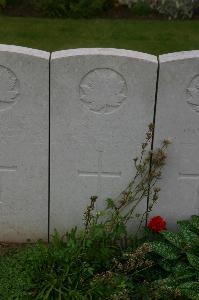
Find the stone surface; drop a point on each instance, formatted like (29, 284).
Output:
(178, 118)
(102, 102)
(24, 106)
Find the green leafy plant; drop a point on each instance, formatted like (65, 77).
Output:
(177, 253)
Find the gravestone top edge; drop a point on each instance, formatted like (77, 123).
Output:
(175, 56)
(103, 51)
(25, 51)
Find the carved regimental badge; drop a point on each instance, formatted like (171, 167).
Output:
(9, 88)
(192, 94)
(103, 90)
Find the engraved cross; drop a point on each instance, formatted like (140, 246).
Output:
(5, 169)
(99, 173)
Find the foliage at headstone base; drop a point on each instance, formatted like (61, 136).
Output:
(177, 253)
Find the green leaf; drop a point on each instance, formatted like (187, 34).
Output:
(185, 224)
(193, 260)
(194, 285)
(167, 265)
(165, 250)
(190, 290)
(110, 203)
(168, 282)
(195, 221)
(173, 238)
(181, 269)
(188, 224)
(188, 235)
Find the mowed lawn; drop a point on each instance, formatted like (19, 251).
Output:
(151, 36)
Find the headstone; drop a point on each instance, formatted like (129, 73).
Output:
(177, 117)
(102, 102)
(24, 102)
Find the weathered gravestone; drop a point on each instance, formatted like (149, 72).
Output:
(24, 101)
(178, 118)
(102, 101)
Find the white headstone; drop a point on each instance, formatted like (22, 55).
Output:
(102, 102)
(177, 117)
(24, 102)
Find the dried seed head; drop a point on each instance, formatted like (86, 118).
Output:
(93, 198)
(159, 157)
(146, 247)
(167, 142)
(156, 189)
(144, 145)
(178, 292)
(151, 127)
(148, 135)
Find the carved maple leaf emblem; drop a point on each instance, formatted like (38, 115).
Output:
(193, 94)
(103, 90)
(8, 80)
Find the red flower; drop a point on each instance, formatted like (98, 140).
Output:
(157, 224)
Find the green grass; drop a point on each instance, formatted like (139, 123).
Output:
(151, 36)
